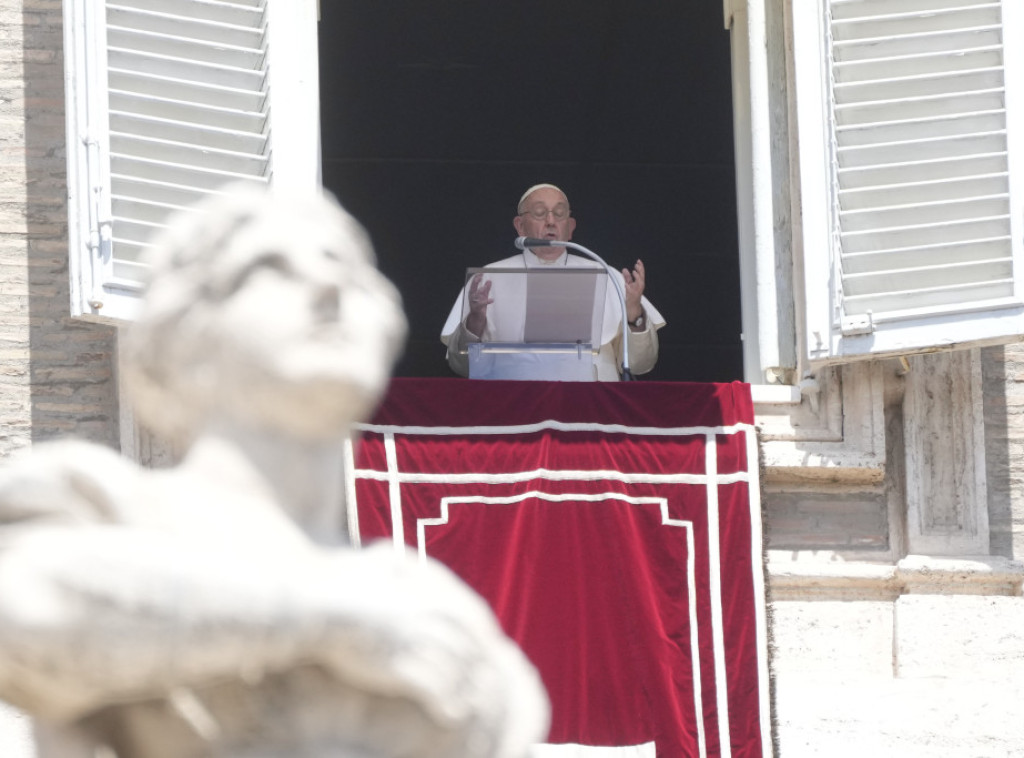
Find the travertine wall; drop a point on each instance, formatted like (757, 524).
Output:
(57, 377)
(1003, 372)
(923, 654)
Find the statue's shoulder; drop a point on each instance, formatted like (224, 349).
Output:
(67, 480)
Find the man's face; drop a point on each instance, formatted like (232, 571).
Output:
(545, 214)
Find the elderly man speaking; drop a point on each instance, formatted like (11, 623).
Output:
(493, 308)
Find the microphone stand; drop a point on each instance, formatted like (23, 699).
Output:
(620, 288)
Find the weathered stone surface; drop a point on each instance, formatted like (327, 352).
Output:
(898, 718)
(805, 639)
(815, 519)
(72, 362)
(961, 636)
(957, 693)
(1003, 372)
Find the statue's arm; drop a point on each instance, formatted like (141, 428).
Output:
(99, 614)
(97, 609)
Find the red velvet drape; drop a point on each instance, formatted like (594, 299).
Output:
(615, 530)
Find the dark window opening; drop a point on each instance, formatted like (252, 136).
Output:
(436, 116)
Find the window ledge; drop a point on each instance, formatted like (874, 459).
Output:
(833, 429)
(818, 576)
(774, 394)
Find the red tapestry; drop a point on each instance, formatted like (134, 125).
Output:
(615, 530)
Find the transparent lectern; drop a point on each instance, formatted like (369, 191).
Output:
(544, 323)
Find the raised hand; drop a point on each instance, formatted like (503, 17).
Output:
(479, 299)
(635, 280)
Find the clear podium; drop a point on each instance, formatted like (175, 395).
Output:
(544, 323)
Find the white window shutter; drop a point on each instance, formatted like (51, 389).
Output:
(168, 100)
(909, 119)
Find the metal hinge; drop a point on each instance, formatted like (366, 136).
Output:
(863, 323)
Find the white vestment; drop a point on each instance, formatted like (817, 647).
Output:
(506, 318)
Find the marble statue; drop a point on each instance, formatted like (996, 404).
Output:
(215, 608)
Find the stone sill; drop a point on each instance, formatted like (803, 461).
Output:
(804, 443)
(816, 579)
(774, 394)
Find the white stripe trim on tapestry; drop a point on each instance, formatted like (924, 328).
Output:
(394, 492)
(715, 582)
(561, 497)
(392, 475)
(760, 613)
(560, 426)
(691, 573)
(662, 503)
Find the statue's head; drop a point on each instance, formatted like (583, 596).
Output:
(266, 311)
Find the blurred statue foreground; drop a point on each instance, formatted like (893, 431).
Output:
(214, 609)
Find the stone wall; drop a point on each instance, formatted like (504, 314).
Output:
(923, 654)
(916, 677)
(57, 376)
(1003, 371)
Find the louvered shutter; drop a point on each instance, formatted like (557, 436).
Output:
(168, 101)
(909, 128)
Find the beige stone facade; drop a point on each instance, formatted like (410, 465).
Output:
(896, 621)
(57, 377)
(894, 494)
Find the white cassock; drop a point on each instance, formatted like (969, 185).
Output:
(506, 318)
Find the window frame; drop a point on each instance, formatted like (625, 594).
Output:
(828, 337)
(293, 75)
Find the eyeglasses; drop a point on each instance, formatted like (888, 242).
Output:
(540, 213)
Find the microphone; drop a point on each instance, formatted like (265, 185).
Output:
(620, 289)
(524, 242)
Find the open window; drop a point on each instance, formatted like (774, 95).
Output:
(168, 100)
(911, 143)
(436, 116)
(908, 113)
(425, 132)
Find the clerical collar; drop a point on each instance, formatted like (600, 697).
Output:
(532, 259)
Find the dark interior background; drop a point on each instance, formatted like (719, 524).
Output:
(436, 116)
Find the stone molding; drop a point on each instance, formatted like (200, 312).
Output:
(815, 579)
(944, 442)
(831, 428)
